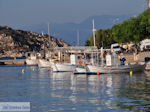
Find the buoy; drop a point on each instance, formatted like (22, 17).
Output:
(14, 58)
(23, 71)
(98, 74)
(131, 73)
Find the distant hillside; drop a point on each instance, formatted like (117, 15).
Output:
(67, 31)
(16, 42)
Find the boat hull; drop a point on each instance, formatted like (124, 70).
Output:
(63, 67)
(44, 63)
(79, 70)
(31, 62)
(120, 69)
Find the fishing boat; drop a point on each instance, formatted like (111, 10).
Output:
(62, 67)
(119, 69)
(113, 66)
(44, 63)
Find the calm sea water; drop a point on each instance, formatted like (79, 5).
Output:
(79, 93)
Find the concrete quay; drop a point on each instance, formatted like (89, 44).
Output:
(12, 61)
(132, 58)
(135, 58)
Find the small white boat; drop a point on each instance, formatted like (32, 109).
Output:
(44, 63)
(31, 62)
(31, 59)
(63, 67)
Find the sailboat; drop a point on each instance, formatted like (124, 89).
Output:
(46, 61)
(83, 69)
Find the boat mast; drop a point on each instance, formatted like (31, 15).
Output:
(49, 34)
(94, 33)
(93, 41)
(49, 41)
(44, 45)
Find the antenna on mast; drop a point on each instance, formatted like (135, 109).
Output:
(94, 33)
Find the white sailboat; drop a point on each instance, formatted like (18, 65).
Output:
(46, 62)
(79, 69)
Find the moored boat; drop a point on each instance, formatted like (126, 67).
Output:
(117, 69)
(80, 70)
(44, 63)
(31, 59)
(114, 65)
(62, 67)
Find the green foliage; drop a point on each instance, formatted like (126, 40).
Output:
(102, 38)
(134, 29)
(87, 43)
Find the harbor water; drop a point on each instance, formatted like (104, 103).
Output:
(61, 92)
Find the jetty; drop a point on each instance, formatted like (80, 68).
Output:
(13, 61)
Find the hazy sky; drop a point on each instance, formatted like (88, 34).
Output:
(28, 12)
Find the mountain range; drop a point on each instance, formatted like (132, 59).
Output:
(68, 31)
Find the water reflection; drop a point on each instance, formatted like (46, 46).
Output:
(135, 93)
(49, 91)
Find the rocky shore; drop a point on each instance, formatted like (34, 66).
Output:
(15, 43)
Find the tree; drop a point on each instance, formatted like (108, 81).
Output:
(87, 43)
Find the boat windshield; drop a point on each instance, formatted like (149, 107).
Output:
(116, 47)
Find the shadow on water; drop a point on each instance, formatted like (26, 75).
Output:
(49, 91)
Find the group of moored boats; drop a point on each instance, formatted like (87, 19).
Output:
(95, 65)
(110, 65)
